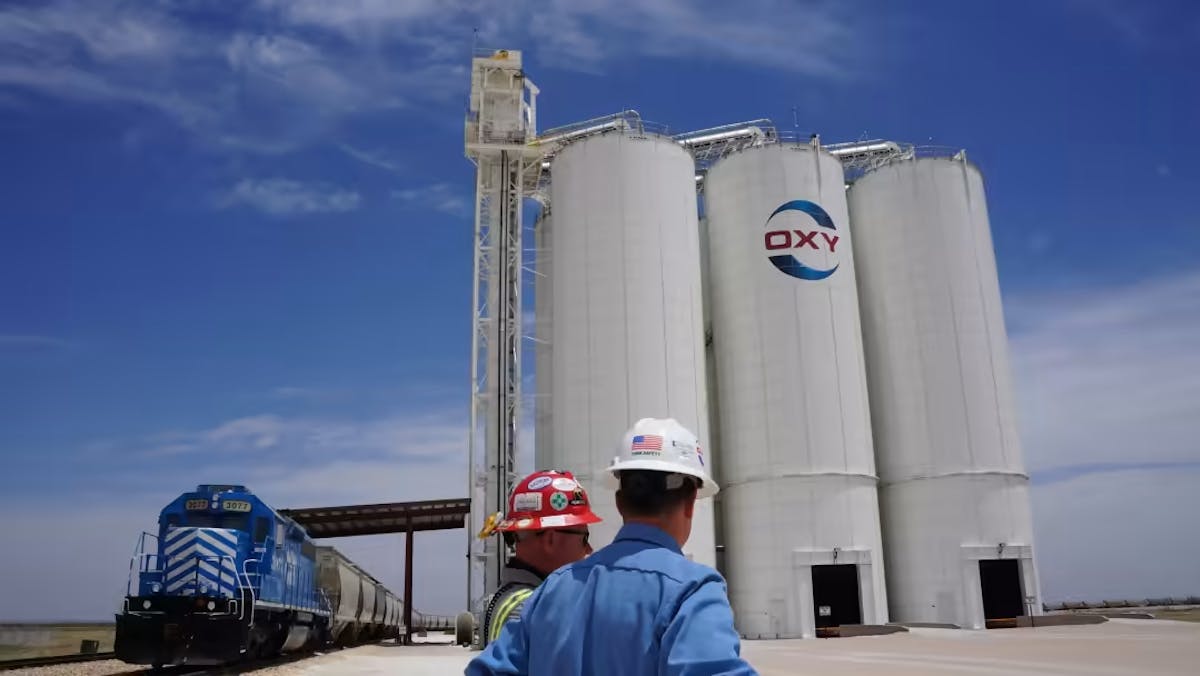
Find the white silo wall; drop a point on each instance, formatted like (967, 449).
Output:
(714, 414)
(543, 323)
(799, 491)
(627, 335)
(953, 488)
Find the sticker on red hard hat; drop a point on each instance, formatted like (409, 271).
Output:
(578, 498)
(524, 523)
(556, 521)
(562, 483)
(558, 501)
(527, 502)
(539, 483)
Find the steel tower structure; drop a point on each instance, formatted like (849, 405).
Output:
(500, 128)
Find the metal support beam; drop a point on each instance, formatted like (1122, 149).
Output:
(408, 578)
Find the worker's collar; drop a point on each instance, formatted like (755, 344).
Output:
(518, 564)
(647, 533)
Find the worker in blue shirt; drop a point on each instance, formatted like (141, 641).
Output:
(637, 606)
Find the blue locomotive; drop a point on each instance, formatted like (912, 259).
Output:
(227, 577)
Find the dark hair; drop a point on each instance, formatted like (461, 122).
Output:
(645, 493)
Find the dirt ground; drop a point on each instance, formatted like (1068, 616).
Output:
(42, 640)
(1185, 615)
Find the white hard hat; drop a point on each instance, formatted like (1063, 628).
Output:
(661, 445)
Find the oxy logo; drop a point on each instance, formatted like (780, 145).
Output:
(783, 245)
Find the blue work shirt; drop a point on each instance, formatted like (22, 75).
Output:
(637, 606)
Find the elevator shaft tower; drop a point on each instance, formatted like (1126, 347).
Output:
(500, 126)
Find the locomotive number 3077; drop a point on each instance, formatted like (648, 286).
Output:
(236, 505)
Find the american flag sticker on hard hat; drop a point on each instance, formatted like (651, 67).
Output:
(647, 442)
(699, 455)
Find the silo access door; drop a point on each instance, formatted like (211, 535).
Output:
(835, 595)
(1000, 582)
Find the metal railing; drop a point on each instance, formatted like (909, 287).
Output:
(147, 567)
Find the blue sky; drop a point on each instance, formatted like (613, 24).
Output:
(236, 243)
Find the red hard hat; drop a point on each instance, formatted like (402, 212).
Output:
(547, 499)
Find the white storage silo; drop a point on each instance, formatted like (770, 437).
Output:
(954, 495)
(800, 509)
(543, 404)
(627, 339)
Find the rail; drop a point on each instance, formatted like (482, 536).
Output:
(52, 660)
(139, 557)
(146, 567)
(250, 586)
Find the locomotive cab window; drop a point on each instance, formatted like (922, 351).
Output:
(262, 527)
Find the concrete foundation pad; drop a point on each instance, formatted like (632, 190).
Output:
(1116, 648)
(1060, 620)
(851, 630)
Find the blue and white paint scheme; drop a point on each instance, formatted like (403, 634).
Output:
(224, 576)
(201, 561)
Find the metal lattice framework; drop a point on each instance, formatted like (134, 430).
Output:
(500, 125)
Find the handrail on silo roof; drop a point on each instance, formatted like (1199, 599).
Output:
(626, 119)
(709, 145)
(762, 127)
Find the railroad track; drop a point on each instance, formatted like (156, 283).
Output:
(26, 662)
(209, 670)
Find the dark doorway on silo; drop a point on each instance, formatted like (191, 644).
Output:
(1000, 582)
(835, 595)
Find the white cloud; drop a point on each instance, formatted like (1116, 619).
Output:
(285, 69)
(1109, 375)
(814, 38)
(1108, 386)
(268, 437)
(282, 197)
(288, 75)
(92, 26)
(1118, 535)
(266, 93)
(441, 197)
(364, 19)
(374, 158)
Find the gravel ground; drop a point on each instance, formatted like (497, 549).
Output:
(100, 668)
(115, 667)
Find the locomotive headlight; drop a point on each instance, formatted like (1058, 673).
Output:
(156, 587)
(212, 606)
(145, 605)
